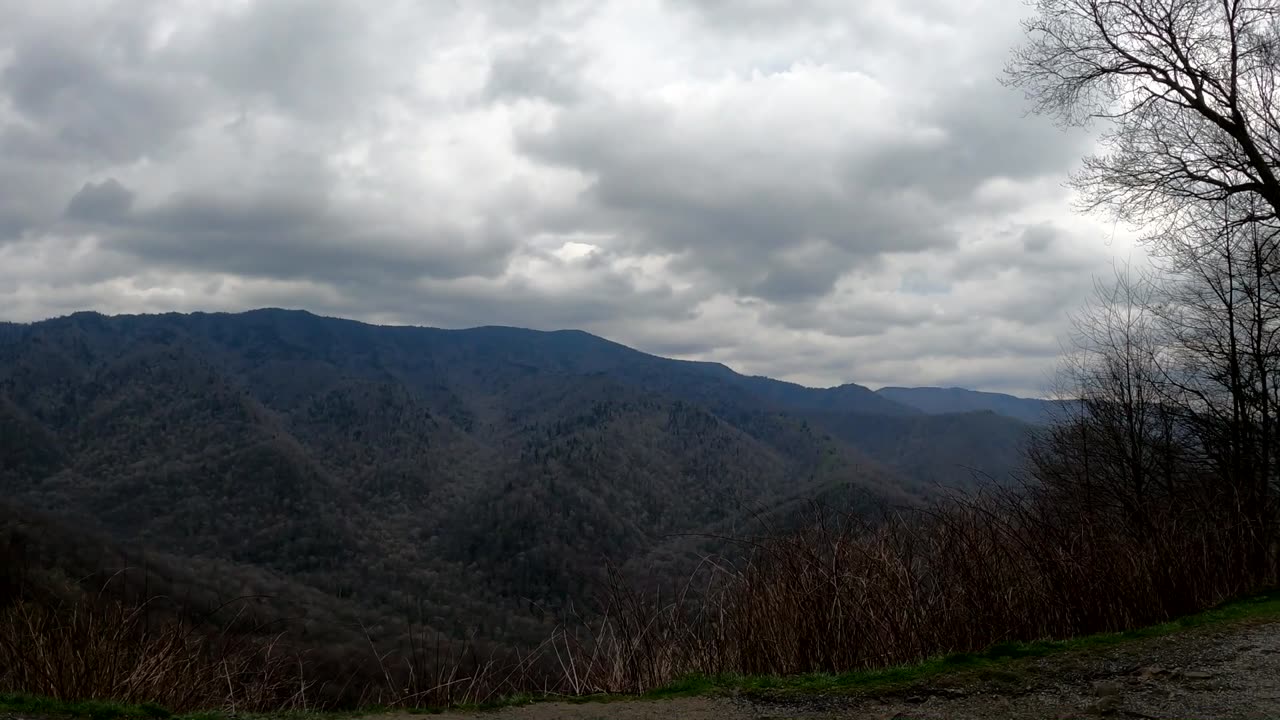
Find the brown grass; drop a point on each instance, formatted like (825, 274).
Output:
(99, 649)
(847, 594)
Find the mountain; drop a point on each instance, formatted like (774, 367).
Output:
(943, 451)
(455, 477)
(938, 401)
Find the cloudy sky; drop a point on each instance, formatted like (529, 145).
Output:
(819, 190)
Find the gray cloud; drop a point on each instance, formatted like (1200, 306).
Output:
(817, 190)
(314, 59)
(302, 238)
(104, 201)
(764, 221)
(545, 68)
(1042, 250)
(86, 105)
(1038, 238)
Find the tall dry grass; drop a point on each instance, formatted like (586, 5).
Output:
(843, 595)
(92, 648)
(846, 593)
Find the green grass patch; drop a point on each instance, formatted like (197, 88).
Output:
(91, 709)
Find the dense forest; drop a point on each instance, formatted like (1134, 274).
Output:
(475, 482)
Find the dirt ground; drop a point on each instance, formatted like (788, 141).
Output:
(1212, 672)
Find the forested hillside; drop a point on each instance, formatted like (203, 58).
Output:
(456, 477)
(940, 401)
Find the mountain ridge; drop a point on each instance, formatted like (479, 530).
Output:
(894, 394)
(948, 400)
(467, 472)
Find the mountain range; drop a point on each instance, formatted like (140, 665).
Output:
(943, 401)
(467, 479)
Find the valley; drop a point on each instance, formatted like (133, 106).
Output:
(476, 483)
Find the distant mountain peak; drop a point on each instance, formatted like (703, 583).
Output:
(939, 400)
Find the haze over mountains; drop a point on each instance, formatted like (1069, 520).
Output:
(940, 401)
(458, 475)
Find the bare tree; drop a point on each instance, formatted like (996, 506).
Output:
(1218, 307)
(1188, 92)
(1174, 427)
(1116, 455)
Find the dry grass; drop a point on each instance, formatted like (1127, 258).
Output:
(846, 594)
(106, 650)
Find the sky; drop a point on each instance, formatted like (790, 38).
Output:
(821, 191)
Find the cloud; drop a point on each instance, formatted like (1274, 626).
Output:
(93, 111)
(543, 68)
(745, 179)
(1038, 238)
(817, 190)
(104, 201)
